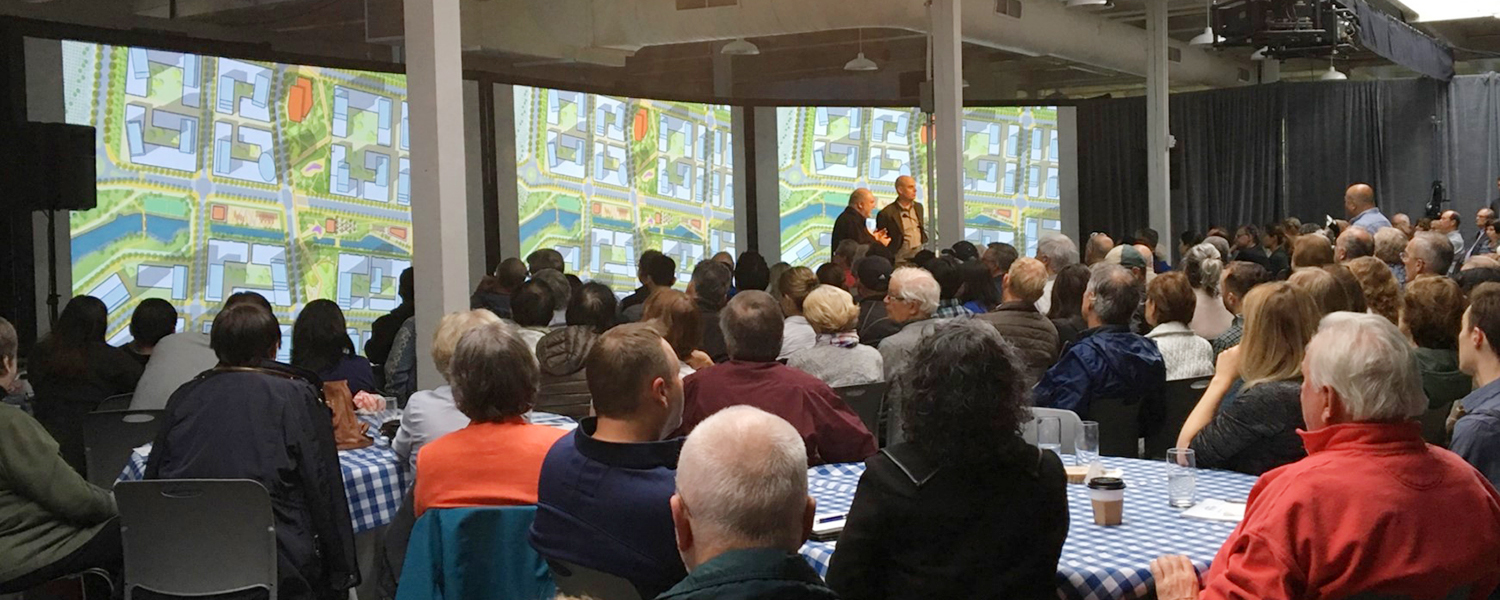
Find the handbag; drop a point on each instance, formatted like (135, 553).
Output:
(348, 431)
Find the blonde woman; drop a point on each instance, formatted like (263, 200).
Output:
(1257, 432)
(431, 414)
(678, 322)
(1204, 267)
(837, 357)
(796, 335)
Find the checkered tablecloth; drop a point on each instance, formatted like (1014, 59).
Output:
(1098, 563)
(551, 420)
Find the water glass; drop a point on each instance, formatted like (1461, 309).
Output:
(1087, 445)
(1049, 434)
(1182, 477)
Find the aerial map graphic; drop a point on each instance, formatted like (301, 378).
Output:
(602, 179)
(218, 175)
(1010, 166)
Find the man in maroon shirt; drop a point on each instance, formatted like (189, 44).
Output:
(752, 324)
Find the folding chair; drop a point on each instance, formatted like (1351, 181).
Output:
(197, 537)
(867, 401)
(1182, 396)
(109, 437)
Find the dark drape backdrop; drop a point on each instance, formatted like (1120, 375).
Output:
(1473, 156)
(1117, 199)
(1228, 149)
(1332, 140)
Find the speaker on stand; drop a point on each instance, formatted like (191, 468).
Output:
(56, 172)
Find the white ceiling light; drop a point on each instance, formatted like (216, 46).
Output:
(1450, 10)
(860, 63)
(1206, 38)
(1259, 54)
(1090, 4)
(1332, 74)
(740, 47)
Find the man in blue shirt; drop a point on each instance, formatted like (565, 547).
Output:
(604, 497)
(1359, 203)
(1476, 435)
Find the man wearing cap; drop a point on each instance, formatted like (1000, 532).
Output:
(1130, 258)
(850, 225)
(874, 277)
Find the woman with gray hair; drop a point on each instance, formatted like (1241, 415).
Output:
(431, 414)
(964, 404)
(837, 357)
(1204, 266)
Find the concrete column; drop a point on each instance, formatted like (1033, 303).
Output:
(948, 108)
(1158, 163)
(440, 211)
(1067, 147)
(767, 185)
(741, 134)
(474, 180)
(505, 170)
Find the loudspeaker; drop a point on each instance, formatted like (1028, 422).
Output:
(57, 167)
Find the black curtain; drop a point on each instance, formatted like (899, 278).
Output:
(1112, 186)
(1226, 166)
(1333, 139)
(1473, 149)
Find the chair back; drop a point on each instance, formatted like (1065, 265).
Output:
(458, 553)
(583, 582)
(110, 436)
(1182, 396)
(115, 402)
(1069, 429)
(1435, 425)
(196, 537)
(867, 401)
(1119, 426)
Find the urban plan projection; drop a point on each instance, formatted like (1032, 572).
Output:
(218, 175)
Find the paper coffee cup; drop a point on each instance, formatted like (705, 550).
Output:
(1107, 494)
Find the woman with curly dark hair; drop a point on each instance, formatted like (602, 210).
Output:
(1001, 502)
(321, 344)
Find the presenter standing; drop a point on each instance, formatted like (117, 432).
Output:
(851, 225)
(903, 221)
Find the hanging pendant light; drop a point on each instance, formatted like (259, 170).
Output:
(1332, 74)
(740, 47)
(859, 62)
(1207, 38)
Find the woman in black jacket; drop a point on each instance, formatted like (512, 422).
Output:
(964, 508)
(73, 369)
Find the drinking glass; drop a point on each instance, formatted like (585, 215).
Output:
(1049, 435)
(1182, 477)
(1087, 445)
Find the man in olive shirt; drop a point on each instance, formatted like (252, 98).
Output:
(902, 220)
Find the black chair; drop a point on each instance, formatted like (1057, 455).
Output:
(109, 437)
(867, 401)
(197, 537)
(1182, 396)
(115, 402)
(1119, 426)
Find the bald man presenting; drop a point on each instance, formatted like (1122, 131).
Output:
(902, 220)
(1359, 203)
(851, 225)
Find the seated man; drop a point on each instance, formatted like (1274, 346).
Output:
(1373, 511)
(1017, 320)
(742, 511)
(602, 501)
(178, 358)
(752, 331)
(277, 432)
(1476, 435)
(54, 522)
(1108, 360)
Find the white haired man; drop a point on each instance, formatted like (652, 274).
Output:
(1428, 254)
(742, 511)
(1056, 252)
(910, 302)
(1370, 490)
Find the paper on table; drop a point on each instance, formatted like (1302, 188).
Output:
(1216, 510)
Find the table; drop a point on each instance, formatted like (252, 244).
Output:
(1097, 563)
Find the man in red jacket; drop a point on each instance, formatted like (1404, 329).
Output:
(1372, 510)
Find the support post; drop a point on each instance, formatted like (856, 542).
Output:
(948, 107)
(1158, 163)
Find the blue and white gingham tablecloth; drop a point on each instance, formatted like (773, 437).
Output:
(1098, 563)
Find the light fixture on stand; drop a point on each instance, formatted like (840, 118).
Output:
(859, 62)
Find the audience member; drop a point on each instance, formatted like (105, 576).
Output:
(152, 320)
(1378, 286)
(1247, 247)
(1483, 243)
(775, 276)
(383, 330)
(1483, 261)
(321, 344)
(1108, 360)
(833, 274)
(604, 492)
(1066, 311)
(1239, 279)
(277, 432)
(400, 368)
(497, 458)
(910, 302)
(1185, 242)
(1327, 294)
(724, 258)
(1132, 260)
(1098, 246)
(1432, 311)
(495, 291)
(431, 414)
(873, 274)
(998, 257)
(177, 359)
(1016, 319)
(945, 270)
(655, 271)
(1278, 258)
(1056, 251)
(1427, 254)
(560, 355)
(1476, 435)
(1369, 490)
(965, 251)
(1359, 205)
(678, 321)
(1204, 269)
(1447, 224)
(1467, 280)
(752, 330)
(846, 255)
(1152, 239)
(1257, 430)
(1353, 243)
(742, 511)
(1401, 222)
(904, 221)
(1311, 251)
(837, 358)
(751, 272)
(56, 523)
(545, 258)
(73, 370)
(532, 309)
(796, 335)
(1169, 307)
(1389, 244)
(1352, 289)
(561, 292)
(852, 225)
(977, 291)
(1219, 243)
(1218, 231)
(709, 289)
(965, 404)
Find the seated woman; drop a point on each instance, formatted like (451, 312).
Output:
(1204, 266)
(431, 414)
(964, 504)
(796, 335)
(497, 459)
(321, 344)
(73, 370)
(837, 357)
(1432, 313)
(1258, 431)
(276, 432)
(978, 293)
(677, 319)
(1066, 309)
(561, 353)
(55, 523)
(1170, 303)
